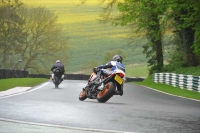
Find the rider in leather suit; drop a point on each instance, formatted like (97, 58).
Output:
(59, 66)
(115, 64)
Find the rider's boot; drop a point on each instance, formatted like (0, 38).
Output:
(62, 77)
(119, 90)
(52, 76)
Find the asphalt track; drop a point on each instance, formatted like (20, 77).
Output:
(140, 110)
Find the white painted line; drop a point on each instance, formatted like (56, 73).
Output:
(15, 94)
(171, 94)
(61, 126)
(13, 91)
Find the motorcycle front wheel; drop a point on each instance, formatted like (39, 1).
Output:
(83, 95)
(107, 92)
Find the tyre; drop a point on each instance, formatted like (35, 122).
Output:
(82, 95)
(107, 92)
(56, 82)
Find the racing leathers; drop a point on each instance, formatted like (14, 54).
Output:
(58, 66)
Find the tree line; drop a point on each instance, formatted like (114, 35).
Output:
(33, 33)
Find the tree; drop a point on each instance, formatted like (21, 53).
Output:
(10, 30)
(186, 18)
(44, 40)
(34, 34)
(147, 15)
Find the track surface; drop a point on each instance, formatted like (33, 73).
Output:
(139, 110)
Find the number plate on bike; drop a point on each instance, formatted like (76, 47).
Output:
(118, 79)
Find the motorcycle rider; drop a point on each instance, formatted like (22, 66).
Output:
(115, 64)
(58, 66)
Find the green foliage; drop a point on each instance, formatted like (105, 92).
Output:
(196, 45)
(146, 14)
(153, 16)
(186, 17)
(178, 60)
(10, 30)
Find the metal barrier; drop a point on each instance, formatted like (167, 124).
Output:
(133, 79)
(7, 73)
(82, 77)
(67, 76)
(189, 82)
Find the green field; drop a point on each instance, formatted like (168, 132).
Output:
(19, 82)
(90, 39)
(170, 89)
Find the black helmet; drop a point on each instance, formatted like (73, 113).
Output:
(117, 58)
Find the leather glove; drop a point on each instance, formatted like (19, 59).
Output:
(95, 69)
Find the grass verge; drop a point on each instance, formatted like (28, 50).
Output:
(9, 83)
(169, 89)
(137, 70)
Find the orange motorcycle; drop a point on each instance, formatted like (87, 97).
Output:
(105, 89)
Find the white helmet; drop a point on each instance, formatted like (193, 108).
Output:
(58, 61)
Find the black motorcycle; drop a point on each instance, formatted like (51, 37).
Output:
(105, 89)
(57, 78)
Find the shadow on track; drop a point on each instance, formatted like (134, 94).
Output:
(104, 103)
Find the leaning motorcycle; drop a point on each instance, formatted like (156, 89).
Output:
(105, 89)
(57, 77)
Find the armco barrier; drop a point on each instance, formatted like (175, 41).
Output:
(39, 76)
(77, 77)
(82, 77)
(189, 82)
(67, 76)
(86, 77)
(7, 73)
(133, 79)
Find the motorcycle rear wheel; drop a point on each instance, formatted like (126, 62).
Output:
(83, 95)
(107, 93)
(56, 86)
(56, 82)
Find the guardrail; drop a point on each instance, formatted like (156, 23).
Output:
(189, 82)
(7, 73)
(67, 76)
(82, 77)
(133, 79)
